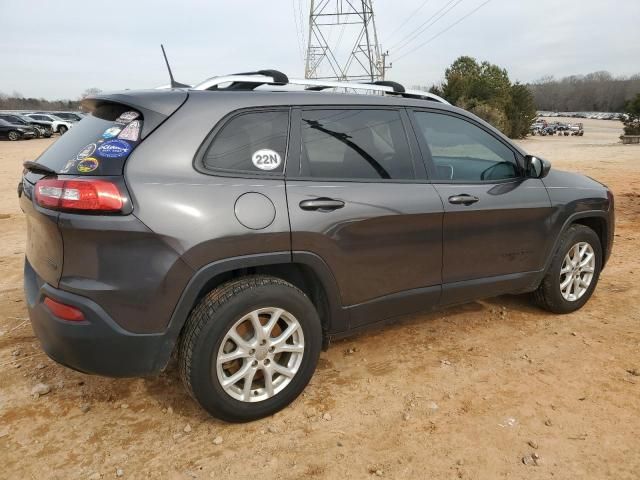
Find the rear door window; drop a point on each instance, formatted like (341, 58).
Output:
(99, 145)
(354, 144)
(252, 142)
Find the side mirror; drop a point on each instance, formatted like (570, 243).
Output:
(536, 167)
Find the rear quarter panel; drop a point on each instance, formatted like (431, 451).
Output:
(193, 211)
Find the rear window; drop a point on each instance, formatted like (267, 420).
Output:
(98, 145)
(253, 142)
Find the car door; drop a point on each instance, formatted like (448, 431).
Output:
(496, 218)
(359, 200)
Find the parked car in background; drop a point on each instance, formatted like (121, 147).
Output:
(67, 116)
(42, 130)
(58, 125)
(16, 132)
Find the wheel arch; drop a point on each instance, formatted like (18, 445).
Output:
(305, 270)
(597, 220)
(599, 225)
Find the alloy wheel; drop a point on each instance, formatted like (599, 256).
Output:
(260, 354)
(577, 271)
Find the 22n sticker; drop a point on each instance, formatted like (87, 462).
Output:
(266, 159)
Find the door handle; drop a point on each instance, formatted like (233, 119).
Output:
(463, 199)
(322, 204)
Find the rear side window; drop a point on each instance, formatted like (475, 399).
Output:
(462, 151)
(98, 145)
(254, 142)
(355, 144)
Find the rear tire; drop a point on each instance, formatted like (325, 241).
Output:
(62, 129)
(567, 285)
(13, 135)
(222, 325)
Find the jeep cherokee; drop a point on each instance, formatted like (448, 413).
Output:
(241, 224)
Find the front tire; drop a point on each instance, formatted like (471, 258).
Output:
(249, 348)
(574, 271)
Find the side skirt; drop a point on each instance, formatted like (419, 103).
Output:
(387, 309)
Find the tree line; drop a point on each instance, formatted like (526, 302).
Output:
(486, 90)
(17, 101)
(594, 92)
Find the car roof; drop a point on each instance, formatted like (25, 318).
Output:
(292, 97)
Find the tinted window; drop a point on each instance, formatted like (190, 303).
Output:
(462, 151)
(251, 142)
(100, 145)
(355, 144)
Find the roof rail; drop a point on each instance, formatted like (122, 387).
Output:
(252, 80)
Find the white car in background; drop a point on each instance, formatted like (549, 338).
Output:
(57, 124)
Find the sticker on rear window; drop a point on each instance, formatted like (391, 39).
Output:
(111, 132)
(68, 166)
(86, 151)
(127, 117)
(131, 132)
(266, 159)
(88, 165)
(114, 149)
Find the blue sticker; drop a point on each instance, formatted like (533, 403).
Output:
(86, 151)
(111, 132)
(114, 149)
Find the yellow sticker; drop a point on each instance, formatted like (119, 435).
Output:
(87, 165)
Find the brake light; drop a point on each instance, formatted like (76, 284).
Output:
(79, 194)
(63, 311)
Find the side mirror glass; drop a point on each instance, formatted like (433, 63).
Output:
(537, 167)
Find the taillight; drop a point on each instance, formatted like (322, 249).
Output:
(80, 194)
(64, 311)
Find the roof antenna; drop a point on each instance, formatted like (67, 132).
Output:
(174, 84)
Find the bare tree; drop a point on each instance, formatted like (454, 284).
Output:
(596, 91)
(89, 92)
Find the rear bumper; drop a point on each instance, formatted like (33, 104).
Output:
(98, 345)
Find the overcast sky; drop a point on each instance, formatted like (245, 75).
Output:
(58, 49)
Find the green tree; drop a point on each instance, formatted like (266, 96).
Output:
(485, 89)
(632, 120)
(520, 111)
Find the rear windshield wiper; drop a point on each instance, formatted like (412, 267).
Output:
(38, 168)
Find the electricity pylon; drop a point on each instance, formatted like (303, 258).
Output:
(362, 61)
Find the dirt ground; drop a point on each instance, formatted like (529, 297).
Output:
(462, 393)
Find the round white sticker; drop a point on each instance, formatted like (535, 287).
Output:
(266, 159)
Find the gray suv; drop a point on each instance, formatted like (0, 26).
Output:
(242, 224)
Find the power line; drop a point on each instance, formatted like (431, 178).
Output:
(423, 26)
(300, 9)
(408, 18)
(363, 60)
(295, 20)
(445, 30)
